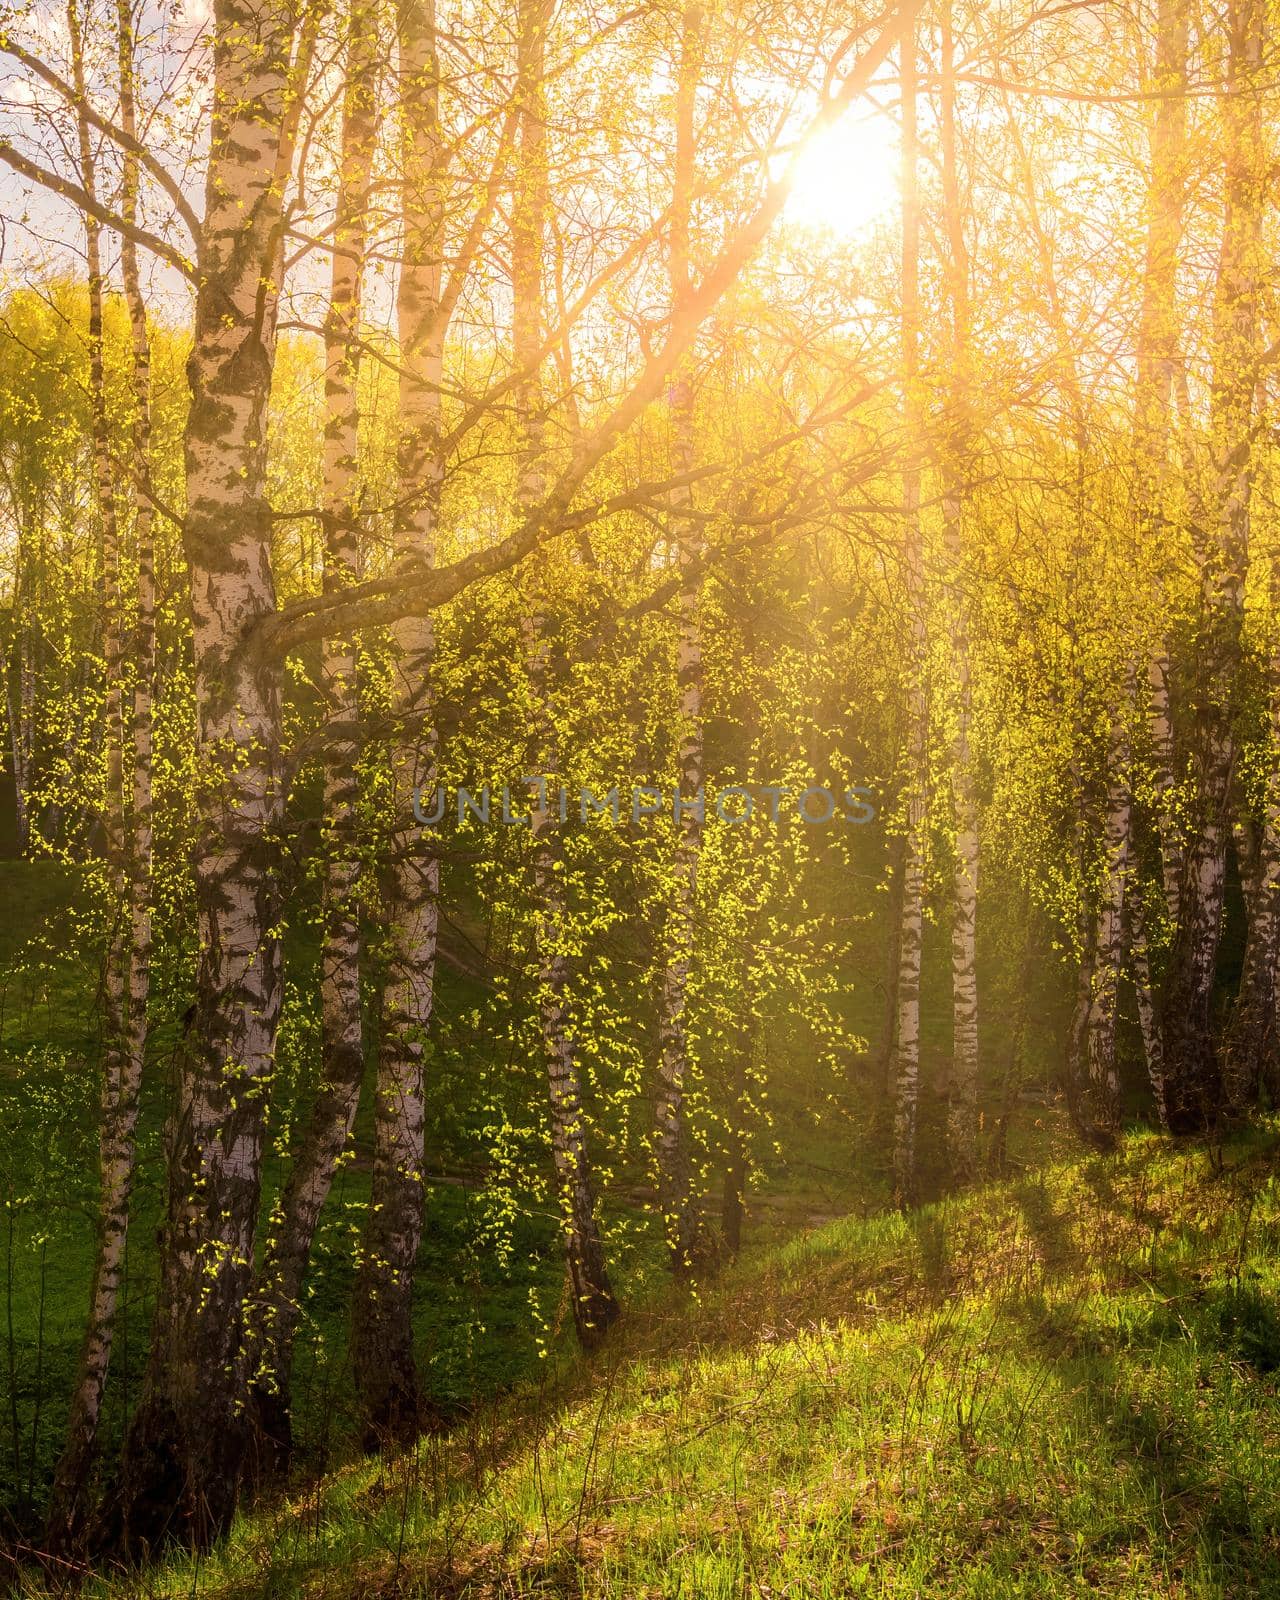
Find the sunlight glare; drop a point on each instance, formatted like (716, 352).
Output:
(847, 178)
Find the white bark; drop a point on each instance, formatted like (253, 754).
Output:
(907, 1052)
(183, 1455)
(1108, 953)
(1157, 362)
(1192, 1074)
(385, 1368)
(278, 1297)
(126, 815)
(673, 1154)
(956, 466)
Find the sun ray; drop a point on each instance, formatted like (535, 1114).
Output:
(847, 178)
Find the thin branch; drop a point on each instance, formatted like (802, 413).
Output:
(414, 590)
(94, 208)
(120, 136)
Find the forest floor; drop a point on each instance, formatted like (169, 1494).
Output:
(1064, 1384)
(490, 1302)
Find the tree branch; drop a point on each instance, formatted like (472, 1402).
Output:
(125, 140)
(413, 590)
(94, 208)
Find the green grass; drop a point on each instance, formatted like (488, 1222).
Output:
(1055, 1386)
(1062, 1385)
(490, 1287)
(478, 1325)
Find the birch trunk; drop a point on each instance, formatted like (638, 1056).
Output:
(595, 1308)
(1078, 1033)
(1156, 364)
(121, 1053)
(907, 1051)
(27, 660)
(1156, 357)
(673, 1154)
(278, 1299)
(962, 1118)
(883, 1058)
(1015, 1063)
(1148, 1015)
(1108, 949)
(140, 822)
(1251, 1048)
(1193, 1081)
(180, 1473)
(386, 1372)
(1076, 1062)
(734, 1192)
(27, 737)
(18, 708)
(1160, 726)
(1157, 361)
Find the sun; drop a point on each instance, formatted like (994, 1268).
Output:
(846, 178)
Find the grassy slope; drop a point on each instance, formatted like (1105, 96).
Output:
(481, 1317)
(1062, 1385)
(477, 1329)
(473, 1316)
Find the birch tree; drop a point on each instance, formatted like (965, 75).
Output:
(673, 1154)
(956, 459)
(1108, 940)
(911, 938)
(385, 1366)
(124, 979)
(595, 1307)
(1157, 365)
(1251, 1046)
(1192, 1078)
(1155, 372)
(182, 1459)
(278, 1296)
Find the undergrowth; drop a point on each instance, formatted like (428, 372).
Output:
(1061, 1385)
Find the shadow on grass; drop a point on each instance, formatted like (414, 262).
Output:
(1047, 1225)
(1200, 1503)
